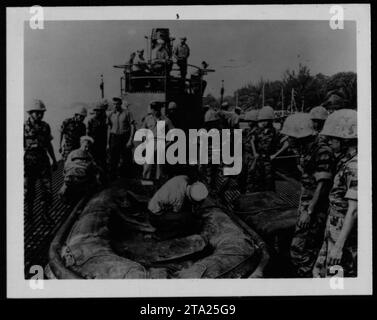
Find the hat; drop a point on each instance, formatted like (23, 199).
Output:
(183, 38)
(172, 105)
(155, 104)
(101, 105)
(197, 191)
(86, 138)
(117, 99)
(36, 105)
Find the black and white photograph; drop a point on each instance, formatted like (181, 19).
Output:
(214, 151)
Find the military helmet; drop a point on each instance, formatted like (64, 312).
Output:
(211, 115)
(318, 113)
(86, 138)
(251, 115)
(197, 191)
(341, 124)
(172, 105)
(266, 113)
(225, 105)
(298, 125)
(82, 111)
(36, 105)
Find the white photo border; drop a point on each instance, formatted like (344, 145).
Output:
(18, 287)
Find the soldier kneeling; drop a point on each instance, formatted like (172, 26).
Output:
(81, 174)
(174, 206)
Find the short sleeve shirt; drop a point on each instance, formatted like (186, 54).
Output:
(121, 122)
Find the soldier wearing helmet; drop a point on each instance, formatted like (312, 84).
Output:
(266, 143)
(71, 131)
(81, 174)
(173, 207)
(315, 163)
(37, 148)
(97, 129)
(318, 115)
(340, 241)
(247, 176)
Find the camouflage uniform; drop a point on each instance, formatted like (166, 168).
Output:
(37, 137)
(266, 143)
(315, 165)
(72, 131)
(97, 129)
(247, 176)
(344, 189)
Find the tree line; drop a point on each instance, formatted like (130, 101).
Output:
(297, 91)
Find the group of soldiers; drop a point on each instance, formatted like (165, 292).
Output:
(325, 147)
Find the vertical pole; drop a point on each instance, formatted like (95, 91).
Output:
(222, 92)
(102, 87)
(263, 95)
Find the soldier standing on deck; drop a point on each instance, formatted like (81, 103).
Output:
(266, 143)
(182, 52)
(315, 164)
(339, 247)
(122, 128)
(37, 144)
(71, 130)
(97, 129)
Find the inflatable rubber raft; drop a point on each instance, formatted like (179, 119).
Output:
(108, 237)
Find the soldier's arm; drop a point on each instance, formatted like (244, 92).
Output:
(50, 148)
(322, 175)
(281, 150)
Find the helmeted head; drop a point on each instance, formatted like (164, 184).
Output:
(81, 113)
(86, 142)
(341, 128)
(36, 109)
(318, 115)
(251, 116)
(225, 105)
(298, 126)
(172, 105)
(197, 192)
(266, 115)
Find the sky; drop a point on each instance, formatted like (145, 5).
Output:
(64, 61)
